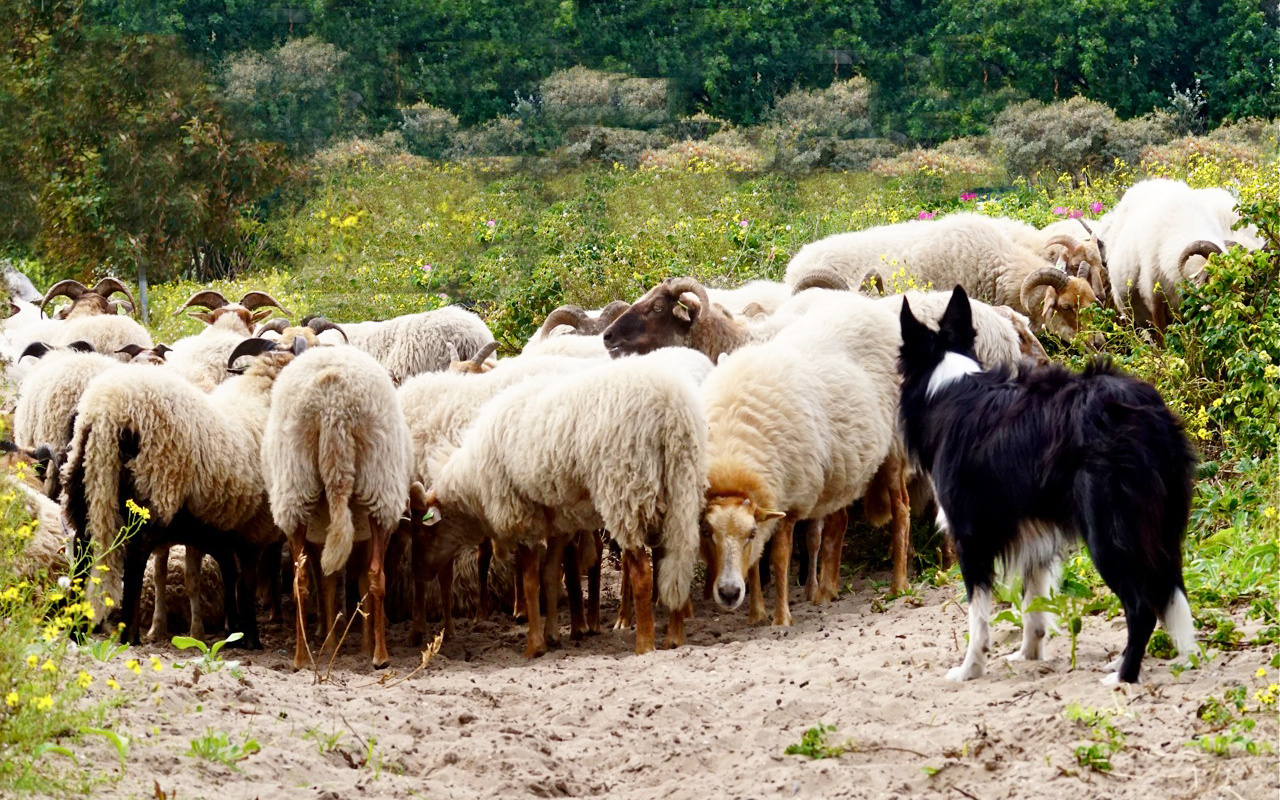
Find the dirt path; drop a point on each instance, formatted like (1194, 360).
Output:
(710, 720)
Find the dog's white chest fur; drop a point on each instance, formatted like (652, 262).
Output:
(952, 368)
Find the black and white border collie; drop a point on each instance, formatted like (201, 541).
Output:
(1023, 465)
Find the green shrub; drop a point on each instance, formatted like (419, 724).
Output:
(1070, 136)
(427, 130)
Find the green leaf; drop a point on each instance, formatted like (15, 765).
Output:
(186, 642)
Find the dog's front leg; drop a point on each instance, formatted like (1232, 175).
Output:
(975, 659)
(1037, 581)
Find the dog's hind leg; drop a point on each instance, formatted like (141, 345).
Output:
(975, 658)
(1141, 620)
(1038, 580)
(1177, 622)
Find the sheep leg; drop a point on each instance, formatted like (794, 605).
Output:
(518, 610)
(528, 567)
(553, 577)
(813, 543)
(755, 597)
(901, 505)
(160, 613)
(593, 585)
(573, 585)
(421, 574)
(832, 547)
(641, 574)
(298, 549)
(270, 562)
(378, 595)
(191, 582)
(232, 609)
(331, 587)
(625, 600)
(247, 594)
(135, 566)
(484, 556)
(781, 558)
(675, 625)
(444, 579)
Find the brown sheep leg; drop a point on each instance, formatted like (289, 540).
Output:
(901, 504)
(641, 572)
(484, 555)
(527, 569)
(781, 565)
(379, 539)
(625, 600)
(707, 547)
(553, 578)
(675, 626)
(573, 585)
(418, 619)
(331, 587)
(755, 597)
(518, 609)
(160, 580)
(270, 562)
(444, 578)
(593, 585)
(298, 548)
(814, 530)
(191, 582)
(832, 548)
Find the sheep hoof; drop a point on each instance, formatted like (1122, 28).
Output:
(782, 617)
(533, 651)
(382, 663)
(577, 635)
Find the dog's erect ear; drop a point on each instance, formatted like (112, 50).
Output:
(956, 325)
(916, 336)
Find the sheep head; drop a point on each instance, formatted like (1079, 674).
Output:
(269, 356)
(1028, 344)
(254, 307)
(664, 317)
(478, 364)
(738, 528)
(821, 278)
(86, 302)
(581, 321)
(1194, 257)
(1052, 300)
(136, 354)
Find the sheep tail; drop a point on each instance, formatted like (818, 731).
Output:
(95, 461)
(337, 471)
(686, 487)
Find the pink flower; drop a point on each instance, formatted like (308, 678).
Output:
(426, 267)
(491, 223)
(1096, 207)
(1060, 210)
(1075, 213)
(926, 215)
(967, 196)
(743, 223)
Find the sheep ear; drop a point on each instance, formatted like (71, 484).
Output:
(163, 350)
(81, 346)
(1050, 298)
(432, 515)
(206, 317)
(261, 314)
(766, 514)
(131, 350)
(687, 307)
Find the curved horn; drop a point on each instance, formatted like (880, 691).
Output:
(81, 346)
(1074, 246)
(277, 324)
(452, 352)
(1046, 276)
(565, 315)
(611, 312)
(162, 350)
(687, 284)
(255, 300)
(250, 347)
(319, 325)
(822, 279)
(109, 286)
(35, 349)
(483, 353)
(205, 298)
(1200, 247)
(872, 281)
(69, 288)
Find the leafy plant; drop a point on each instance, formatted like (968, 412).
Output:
(1105, 739)
(814, 743)
(209, 660)
(217, 746)
(326, 742)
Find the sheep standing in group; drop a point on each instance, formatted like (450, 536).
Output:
(335, 457)
(411, 344)
(191, 459)
(92, 316)
(676, 313)
(202, 358)
(798, 428)
(619, 446)
(968, 250)
(1159, 234)
(573, 319)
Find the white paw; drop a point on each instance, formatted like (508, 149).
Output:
(1114, 664)
(1022, 656)
(964, 672)
(1112, 680)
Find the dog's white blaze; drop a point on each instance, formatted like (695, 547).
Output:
(1178, 624)
(952, 368)
(975, 658)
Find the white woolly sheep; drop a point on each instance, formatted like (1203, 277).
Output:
(48, 396)
(760, 296)
(620, 446)
(202, 357)
(415, 343)
(968, 250)
(1159, 234)
(192, 459)
(798, 428)
(335, 457)
(1223, 204)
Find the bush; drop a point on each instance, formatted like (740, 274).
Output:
(1071, 136)
(698, 128)
(427, 130)
(839, 111)
(959, 157)
(724, 150)
(504, 136)
(610, 146)
(581, 96)
(383, 150)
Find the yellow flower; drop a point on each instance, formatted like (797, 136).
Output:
(112, 683)
(44, 703)
(1269, 512)
(11, 699)
(108, 602)
(156, 664)
(32, 661)
(84, 679)
(140, 511)
(133, 666)
(1261, 673)
(49, 666)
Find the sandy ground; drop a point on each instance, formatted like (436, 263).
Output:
(709, 720)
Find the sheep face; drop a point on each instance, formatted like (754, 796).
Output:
(739, 529)
(664, 317)
(1058, 303)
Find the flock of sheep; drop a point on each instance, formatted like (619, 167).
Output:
(380, 450)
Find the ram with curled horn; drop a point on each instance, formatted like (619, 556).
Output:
(478, 364)
(676, 313)
(242, 316)
(823, 279)
(89, 302)
(1054, 299)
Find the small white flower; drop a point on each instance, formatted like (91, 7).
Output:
(64, 582)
